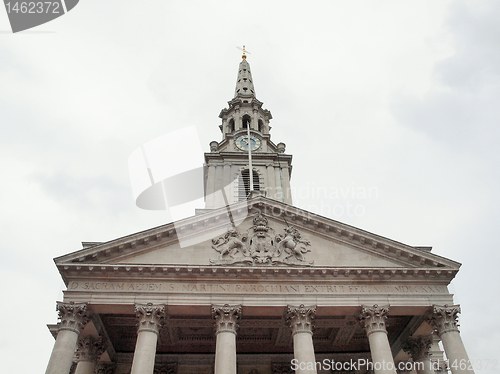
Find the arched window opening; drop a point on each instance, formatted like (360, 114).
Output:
(246, 121)
(244, 184)
(261, 125)
(231, 125)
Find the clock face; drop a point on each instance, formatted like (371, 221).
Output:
(243, 143)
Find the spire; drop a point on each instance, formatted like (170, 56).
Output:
(244, 83)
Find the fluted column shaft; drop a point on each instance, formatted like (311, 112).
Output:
(300, 319)
(418, 348)
(72, 319)
(445, 320)
(150, 321)
(226, 325)
(89, 349)
(373, 321)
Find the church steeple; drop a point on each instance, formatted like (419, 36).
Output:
(245, 124)
(244, 83)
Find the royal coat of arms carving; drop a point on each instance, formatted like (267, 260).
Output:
(261, 245)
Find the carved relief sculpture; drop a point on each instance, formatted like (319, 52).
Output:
(260, 245)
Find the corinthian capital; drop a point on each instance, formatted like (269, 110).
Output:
(226, 317)
(444, 318)
(73, 316)
(300, 318)
(372, 318)
(150, 317)
(89, 348)
(418, 347)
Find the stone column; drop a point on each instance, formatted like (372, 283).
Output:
(373, 321)
(419, 349)
(73, 317)
(300, 319)
(150, 320)
(445, 320)
(89, 350)
(226, 323)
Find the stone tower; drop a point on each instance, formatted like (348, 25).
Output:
(227, 176)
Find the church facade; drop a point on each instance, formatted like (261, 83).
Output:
(262, 287)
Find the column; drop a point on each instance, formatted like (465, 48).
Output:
(150, 321)
(73, 317)
(89, 350)
(445, 320)
(226, 323)
(373, 321)
(300, 319)
(419, 349)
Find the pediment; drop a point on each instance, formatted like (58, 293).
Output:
(258, 232)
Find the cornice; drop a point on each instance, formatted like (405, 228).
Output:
(341, 274)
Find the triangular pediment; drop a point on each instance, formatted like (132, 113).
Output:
(263, 233)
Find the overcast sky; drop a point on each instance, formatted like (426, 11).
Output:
(391, 105)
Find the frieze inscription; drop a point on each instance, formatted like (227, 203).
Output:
(253, 288)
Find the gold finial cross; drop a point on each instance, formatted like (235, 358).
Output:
(244, 57)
